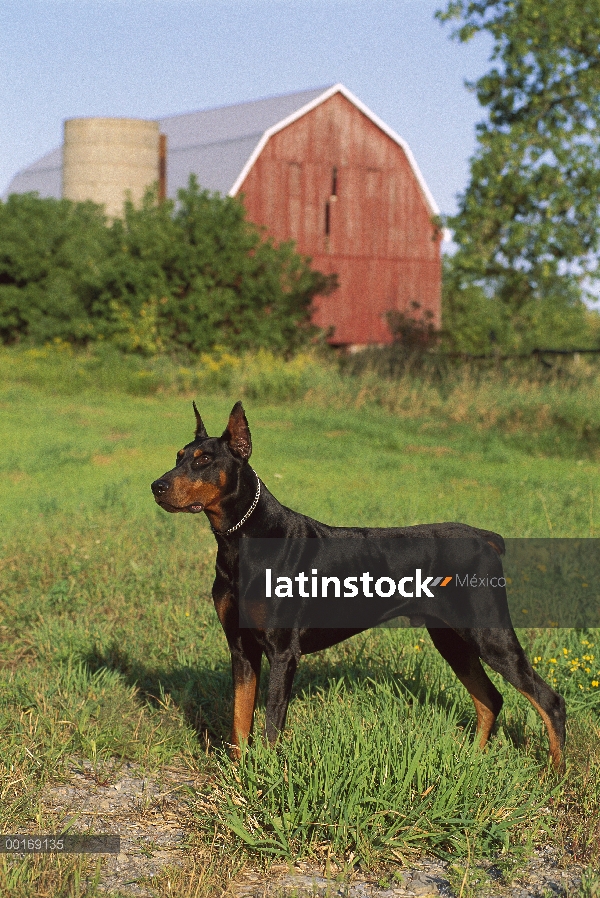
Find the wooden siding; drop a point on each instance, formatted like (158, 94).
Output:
(375, 232)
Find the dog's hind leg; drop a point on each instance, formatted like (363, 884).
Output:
(503, 652)
(465, 663)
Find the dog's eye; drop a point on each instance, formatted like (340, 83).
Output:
(201, 461)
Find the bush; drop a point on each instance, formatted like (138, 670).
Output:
(187, 276)
(49, 268)
(476, 321)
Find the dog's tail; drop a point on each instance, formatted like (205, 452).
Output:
(494, 539)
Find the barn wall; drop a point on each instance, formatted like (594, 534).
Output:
(381, 241)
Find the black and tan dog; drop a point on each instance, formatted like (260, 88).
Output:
(212, 475)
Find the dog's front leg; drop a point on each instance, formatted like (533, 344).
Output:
(246, 654)
(245, 667)
(283, 668)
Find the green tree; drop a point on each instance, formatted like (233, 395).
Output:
(528, 224)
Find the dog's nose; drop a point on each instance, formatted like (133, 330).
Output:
(159, 487)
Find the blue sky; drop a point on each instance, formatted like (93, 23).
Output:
(150, 58)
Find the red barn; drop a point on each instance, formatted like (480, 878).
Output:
(320, 168)
(340, 183)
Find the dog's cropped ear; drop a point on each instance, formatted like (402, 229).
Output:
(201, 433)
(238, 432)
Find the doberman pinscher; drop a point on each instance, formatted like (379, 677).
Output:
(212, 475)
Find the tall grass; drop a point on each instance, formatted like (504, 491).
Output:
(556, 409)
(370, 774)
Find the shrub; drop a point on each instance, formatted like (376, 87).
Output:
(49, 268)
(188, 276)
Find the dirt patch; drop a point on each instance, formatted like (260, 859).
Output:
(102, 460)
(18, 476)
(150, 814)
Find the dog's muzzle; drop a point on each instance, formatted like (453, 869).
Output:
(159, 488)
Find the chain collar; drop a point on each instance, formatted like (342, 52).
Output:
(248, 513)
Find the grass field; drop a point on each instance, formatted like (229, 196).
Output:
(111, 648)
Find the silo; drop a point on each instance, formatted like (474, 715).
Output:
(104, 158)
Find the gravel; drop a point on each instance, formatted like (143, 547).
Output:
(541, 878)
(148, 813)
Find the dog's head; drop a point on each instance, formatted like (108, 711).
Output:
(207, 470)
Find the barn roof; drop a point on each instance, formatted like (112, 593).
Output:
(218, 145)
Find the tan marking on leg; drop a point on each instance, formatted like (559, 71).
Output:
(223, 607)
(555, 748)
(478, 686)
(485, 720)
(244, 701)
